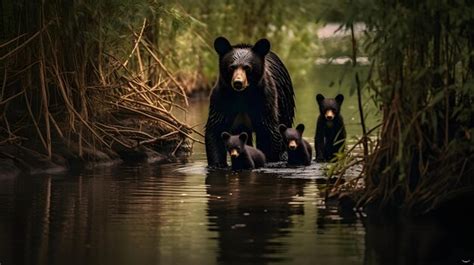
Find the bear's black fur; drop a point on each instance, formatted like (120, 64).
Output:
(330, 131)
(253, 93)
(242, 155)
(299, 150)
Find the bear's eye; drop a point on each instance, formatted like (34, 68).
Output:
(232, 68)
(247, 68)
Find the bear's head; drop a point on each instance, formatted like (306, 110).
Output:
(292, 137)
(241, 66)
(235, 144)
(329, 108)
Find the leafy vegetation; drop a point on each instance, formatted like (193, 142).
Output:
(422, 80)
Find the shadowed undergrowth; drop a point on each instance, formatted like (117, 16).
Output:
(422, 80)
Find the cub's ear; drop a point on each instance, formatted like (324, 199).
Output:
(282, 128)
(225, 136)
(300, 128)
(319, 98)
(243, 137)
(261, 47)
(339, 99)
(222, 46)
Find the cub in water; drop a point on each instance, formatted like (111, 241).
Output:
(299, 150)
(330, 131)
(242, 156)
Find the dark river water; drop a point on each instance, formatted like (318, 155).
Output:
(183, 213)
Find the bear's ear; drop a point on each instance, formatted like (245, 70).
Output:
(243, 137)
(300, 128)
(261, 47)
(339, 99)
(222, 46)
(225, 136)
(282, 128)
(319, 98)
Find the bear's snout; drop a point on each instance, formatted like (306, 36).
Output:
(292, 145)
(239, 79)
(234, 153)
(237, 84)
(329, 115)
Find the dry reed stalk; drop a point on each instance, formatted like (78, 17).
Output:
(35, 123)
(58, 129)
(12, 97)
(4, 84)
(359, 95)
(22, 45)
(353, 161)
(164, 112)
(106, 134)
(160, 118)
(12, 40)
(163, 67)
(71, 108)
(137, 41)
(44, 97)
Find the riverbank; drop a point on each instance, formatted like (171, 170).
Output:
(27, 156)
(16, 160)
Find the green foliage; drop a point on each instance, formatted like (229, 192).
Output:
(290, 28)
(423, 83)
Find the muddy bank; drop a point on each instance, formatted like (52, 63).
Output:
(16, 159)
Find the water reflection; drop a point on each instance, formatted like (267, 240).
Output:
(396, 240)
(252, 213)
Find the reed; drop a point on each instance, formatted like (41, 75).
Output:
(423, 80)
(73, 72)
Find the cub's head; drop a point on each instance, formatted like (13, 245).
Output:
(329, 108)
(234, 144)
(241, 66)
(292, 137)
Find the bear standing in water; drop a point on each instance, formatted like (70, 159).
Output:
(299, 150)
(242, 155)
(253, 94)
(330, 131)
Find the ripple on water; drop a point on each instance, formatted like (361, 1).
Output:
(279, 169)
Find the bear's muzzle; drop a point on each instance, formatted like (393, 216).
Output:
(292, 145)
(329, 115)
(234, 153)
(239, 79)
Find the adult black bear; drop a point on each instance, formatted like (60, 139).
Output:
(253, 94)
(242, 156)
(330, 131)
(299, 150)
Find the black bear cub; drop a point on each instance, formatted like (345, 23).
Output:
(330, 131)
(299, 150)
(242, 156)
